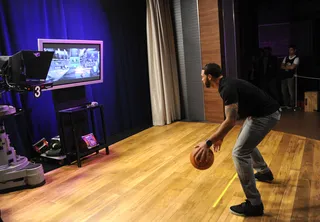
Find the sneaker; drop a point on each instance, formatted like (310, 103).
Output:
(264, 177)
(246, 209)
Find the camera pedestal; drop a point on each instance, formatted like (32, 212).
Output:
(16, 172)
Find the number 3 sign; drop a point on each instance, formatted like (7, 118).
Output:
(37, 91)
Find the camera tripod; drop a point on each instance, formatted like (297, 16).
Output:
(16, 172)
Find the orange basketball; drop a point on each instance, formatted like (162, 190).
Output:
(201, 165)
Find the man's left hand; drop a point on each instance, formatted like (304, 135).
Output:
(202, 152)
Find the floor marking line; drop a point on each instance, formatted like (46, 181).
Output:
(224, 191)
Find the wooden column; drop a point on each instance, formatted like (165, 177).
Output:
(210, 52)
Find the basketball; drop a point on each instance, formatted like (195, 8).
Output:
(201, 165)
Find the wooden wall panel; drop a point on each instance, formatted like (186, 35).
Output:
(210, 52)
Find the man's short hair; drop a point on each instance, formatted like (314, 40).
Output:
(293, 46)
(212, 69)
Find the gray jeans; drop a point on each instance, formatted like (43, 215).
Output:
(246, 155)
(288, 92)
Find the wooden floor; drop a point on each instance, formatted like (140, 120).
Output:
(148, 177)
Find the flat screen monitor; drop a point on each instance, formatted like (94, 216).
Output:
(74, 62)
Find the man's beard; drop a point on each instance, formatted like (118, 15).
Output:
(208, 84)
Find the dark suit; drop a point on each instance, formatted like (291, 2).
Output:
(268, 75)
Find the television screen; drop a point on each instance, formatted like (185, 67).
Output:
(74, 62)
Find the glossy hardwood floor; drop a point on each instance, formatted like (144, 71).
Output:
(148, 177)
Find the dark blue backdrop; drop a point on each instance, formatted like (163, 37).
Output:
(125, 91)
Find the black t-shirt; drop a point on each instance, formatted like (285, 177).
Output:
(289, 73)
(251, 100)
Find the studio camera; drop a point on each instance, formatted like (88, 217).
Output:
(21, 72)
(25, 71)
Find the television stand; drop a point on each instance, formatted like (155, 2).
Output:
(80, 152)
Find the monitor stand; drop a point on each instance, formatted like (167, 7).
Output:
(64, 99)
(69, 97)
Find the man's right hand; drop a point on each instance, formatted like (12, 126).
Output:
(217, 145)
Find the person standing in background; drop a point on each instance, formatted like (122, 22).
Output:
(289, 67)
(257, 67)
(269, 73)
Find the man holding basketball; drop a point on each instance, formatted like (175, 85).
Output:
(243, 99)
